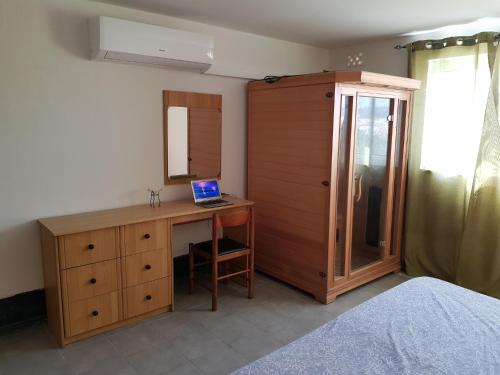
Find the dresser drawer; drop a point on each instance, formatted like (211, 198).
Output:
(92, 313)
(146, 266)
(147, 297)
(151, 235)
(89, 281)
(89, 247)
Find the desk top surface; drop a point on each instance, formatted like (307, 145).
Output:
(87, 221)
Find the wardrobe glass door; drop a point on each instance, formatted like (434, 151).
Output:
(371, 187)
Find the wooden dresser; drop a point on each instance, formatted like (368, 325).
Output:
(109, 268)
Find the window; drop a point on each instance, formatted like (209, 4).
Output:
(457, 90)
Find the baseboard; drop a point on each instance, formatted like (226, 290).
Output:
(22, 308)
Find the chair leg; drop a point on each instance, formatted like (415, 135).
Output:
(215, 267)
(191, 268)
(251, 275)
(226, 271)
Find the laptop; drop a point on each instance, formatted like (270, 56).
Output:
(207, 194)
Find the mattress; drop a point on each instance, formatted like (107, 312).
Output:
(423, 326)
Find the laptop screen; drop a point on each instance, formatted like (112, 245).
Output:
(205, 190)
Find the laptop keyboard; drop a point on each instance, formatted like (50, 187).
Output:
(214, 203)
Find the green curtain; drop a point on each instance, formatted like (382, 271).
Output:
(452, 226)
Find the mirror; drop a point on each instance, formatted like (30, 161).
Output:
(192, 132)
(177, 141)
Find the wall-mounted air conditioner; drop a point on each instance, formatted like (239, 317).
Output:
(133, 42)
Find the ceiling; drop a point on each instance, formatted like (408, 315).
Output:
(324, 23)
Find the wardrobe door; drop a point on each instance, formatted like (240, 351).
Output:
(372, 177)
(289, 171)
(342, 232)
(400, 173)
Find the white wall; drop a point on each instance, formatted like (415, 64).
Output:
(381, 57)
(79, 135)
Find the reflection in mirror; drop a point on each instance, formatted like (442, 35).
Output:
(177, 141)
(204, 142)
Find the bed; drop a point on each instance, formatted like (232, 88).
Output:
(423, 326)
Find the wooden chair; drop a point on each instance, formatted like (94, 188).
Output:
(219, 250)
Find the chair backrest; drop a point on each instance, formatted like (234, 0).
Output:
(234, 219)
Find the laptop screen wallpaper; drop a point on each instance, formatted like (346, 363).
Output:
(206, 189)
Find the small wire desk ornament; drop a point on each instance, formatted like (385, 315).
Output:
(153, 196)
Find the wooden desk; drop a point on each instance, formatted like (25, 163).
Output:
(110, 268)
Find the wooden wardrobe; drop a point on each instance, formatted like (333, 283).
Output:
(327, 160)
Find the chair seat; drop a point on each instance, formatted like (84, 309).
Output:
(226, 246)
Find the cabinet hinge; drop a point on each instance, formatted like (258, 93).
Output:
(329, 94)
(322, 274)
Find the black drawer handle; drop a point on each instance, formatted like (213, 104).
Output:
(95, 313)
(325, 183)
(91, 246)
(148, 297)
(147, 236)
(93, 281)
(147, 266)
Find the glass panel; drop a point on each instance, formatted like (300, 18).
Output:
(343, 157)
(370, 180)
(398, 152)
(177, 141)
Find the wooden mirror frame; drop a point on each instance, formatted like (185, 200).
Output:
(189, 100)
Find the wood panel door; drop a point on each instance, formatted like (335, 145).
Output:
(289, 172)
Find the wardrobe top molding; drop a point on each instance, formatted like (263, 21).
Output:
(84, 222)
(354, 77)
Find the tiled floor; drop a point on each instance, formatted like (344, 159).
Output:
(192, 340)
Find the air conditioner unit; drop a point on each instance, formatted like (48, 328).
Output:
(118, 40)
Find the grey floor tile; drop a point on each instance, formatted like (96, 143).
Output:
(184, 369)
(131, 340)
(35, 362)
(178, 324)
(254, 346)
(231, 328)
(196, 345)
(157, 359)
(110, 366)
(221, 362)
(286, 333)
(90, 355)
(261, 316)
